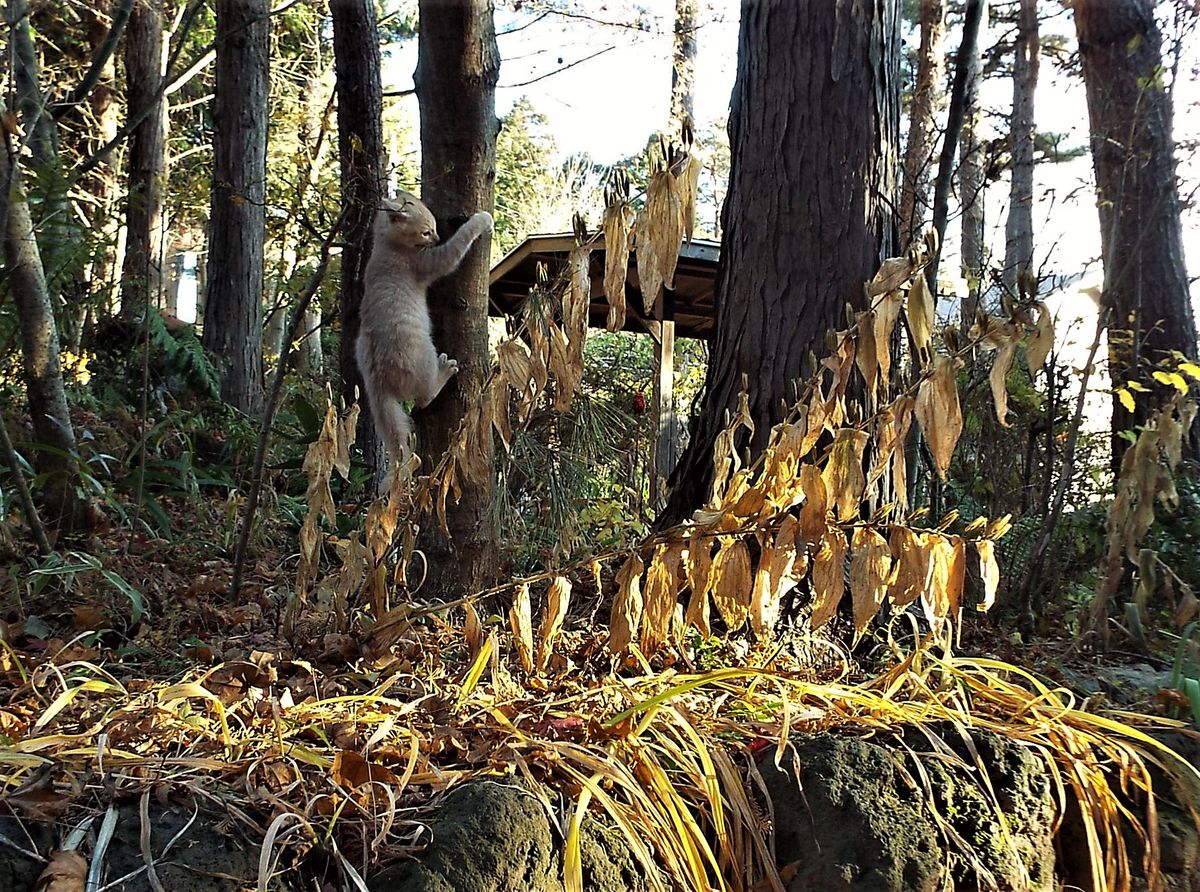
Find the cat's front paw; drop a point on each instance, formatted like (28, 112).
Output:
(485, 221)
(447, 366)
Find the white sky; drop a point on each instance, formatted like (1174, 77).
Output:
(609, 105)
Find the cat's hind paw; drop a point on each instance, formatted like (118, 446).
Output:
(446, 365)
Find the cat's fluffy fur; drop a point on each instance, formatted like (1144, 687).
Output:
(395, 349)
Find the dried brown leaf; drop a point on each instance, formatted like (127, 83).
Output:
(1039, 344)
(815, 510)
(870, 567)
(627, 605)
(828, 578)
(661, 596)
(618, 223)
(558, 601)
(913, 556)
(780, 568)
(520, 619)
(843, 476)
(698, 568)
(921, 316)
(938, 412)
(732, 583)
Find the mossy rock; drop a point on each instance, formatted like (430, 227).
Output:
(852, 813)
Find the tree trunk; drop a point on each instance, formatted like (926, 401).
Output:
(918, 152)
(360, 151)
(141, 281)
(1018, 229)
(458, 65)
(971, 179)
(102, 182)
(1133, 153)
(810, 208)
(683, 67)
(39, 353)
(233, 312)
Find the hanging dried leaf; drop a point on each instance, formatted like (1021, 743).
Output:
(558, 600)
(868, 353)
(921, 317)
(627, 605)
(698, 568)
(815, 510)
(844, 479)
(687, 185)
(618, 222)
(828, 578)
(664, 209)
(1041, 342)
(472, 630)
(781, 462)
(893, 273)
(661, 596)
(989, 572)
(347, 430)
(913, 556)
(891, 435)
(780, 568)
(887, 311)
(870, 567)
(520, 619)
(938, 412)
(732, 583)
(1006, 351)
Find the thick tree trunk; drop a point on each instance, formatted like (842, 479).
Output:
(360, 151)
(39, 354)
(1145, 279)
(233, 311)
(971, 179)
(141, 280)
(810, 208)
(457, 70)
(918, 152)
(1018, 229)
(683, 66)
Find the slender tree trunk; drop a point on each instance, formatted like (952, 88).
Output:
(39, 353)
(360, 150)
(810, 209)
(971, 179)
(102, 182)
(142, 274)
(918, 152)
(458, 65)
(683, 67)
(1133, 153)
(1018, 230)
(233, 306)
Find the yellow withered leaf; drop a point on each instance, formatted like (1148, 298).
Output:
(892, 274)
(1039, 344)
(698, 567)
(913, 557)
(867, 354)
(828, 578)
(921, 316)
(472, 630)
(664, 210)
(558, 600)
(687, 184)
(998, 379)
(660, 597)
(780, 567)
(892, 434)
(956, 575)
(618, 223)
(520, 620)
(887, 311)
(989, 572)
(815, 510)
(870, 567)
(627, 605)
(347, 429)
(843, 476)
(780, 479)
(938, 412)
(731, 583)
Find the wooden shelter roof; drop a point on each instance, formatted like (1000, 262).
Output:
(690, 304)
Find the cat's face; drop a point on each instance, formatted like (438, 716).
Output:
(406, 223)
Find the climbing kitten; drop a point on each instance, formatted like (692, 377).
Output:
(395, 349)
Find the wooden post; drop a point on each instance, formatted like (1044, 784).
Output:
(666, 441)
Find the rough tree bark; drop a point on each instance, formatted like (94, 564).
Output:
(918, 151)
(141, 279)
(810, 208)
(971, 179)
(1018, 229)
(360, 151)
(1133, 153)
(44, 389)
(458, 65)
(233, 312)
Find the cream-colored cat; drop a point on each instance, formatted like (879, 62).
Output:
(395, 349)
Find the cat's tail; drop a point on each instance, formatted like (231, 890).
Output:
(394, 425)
